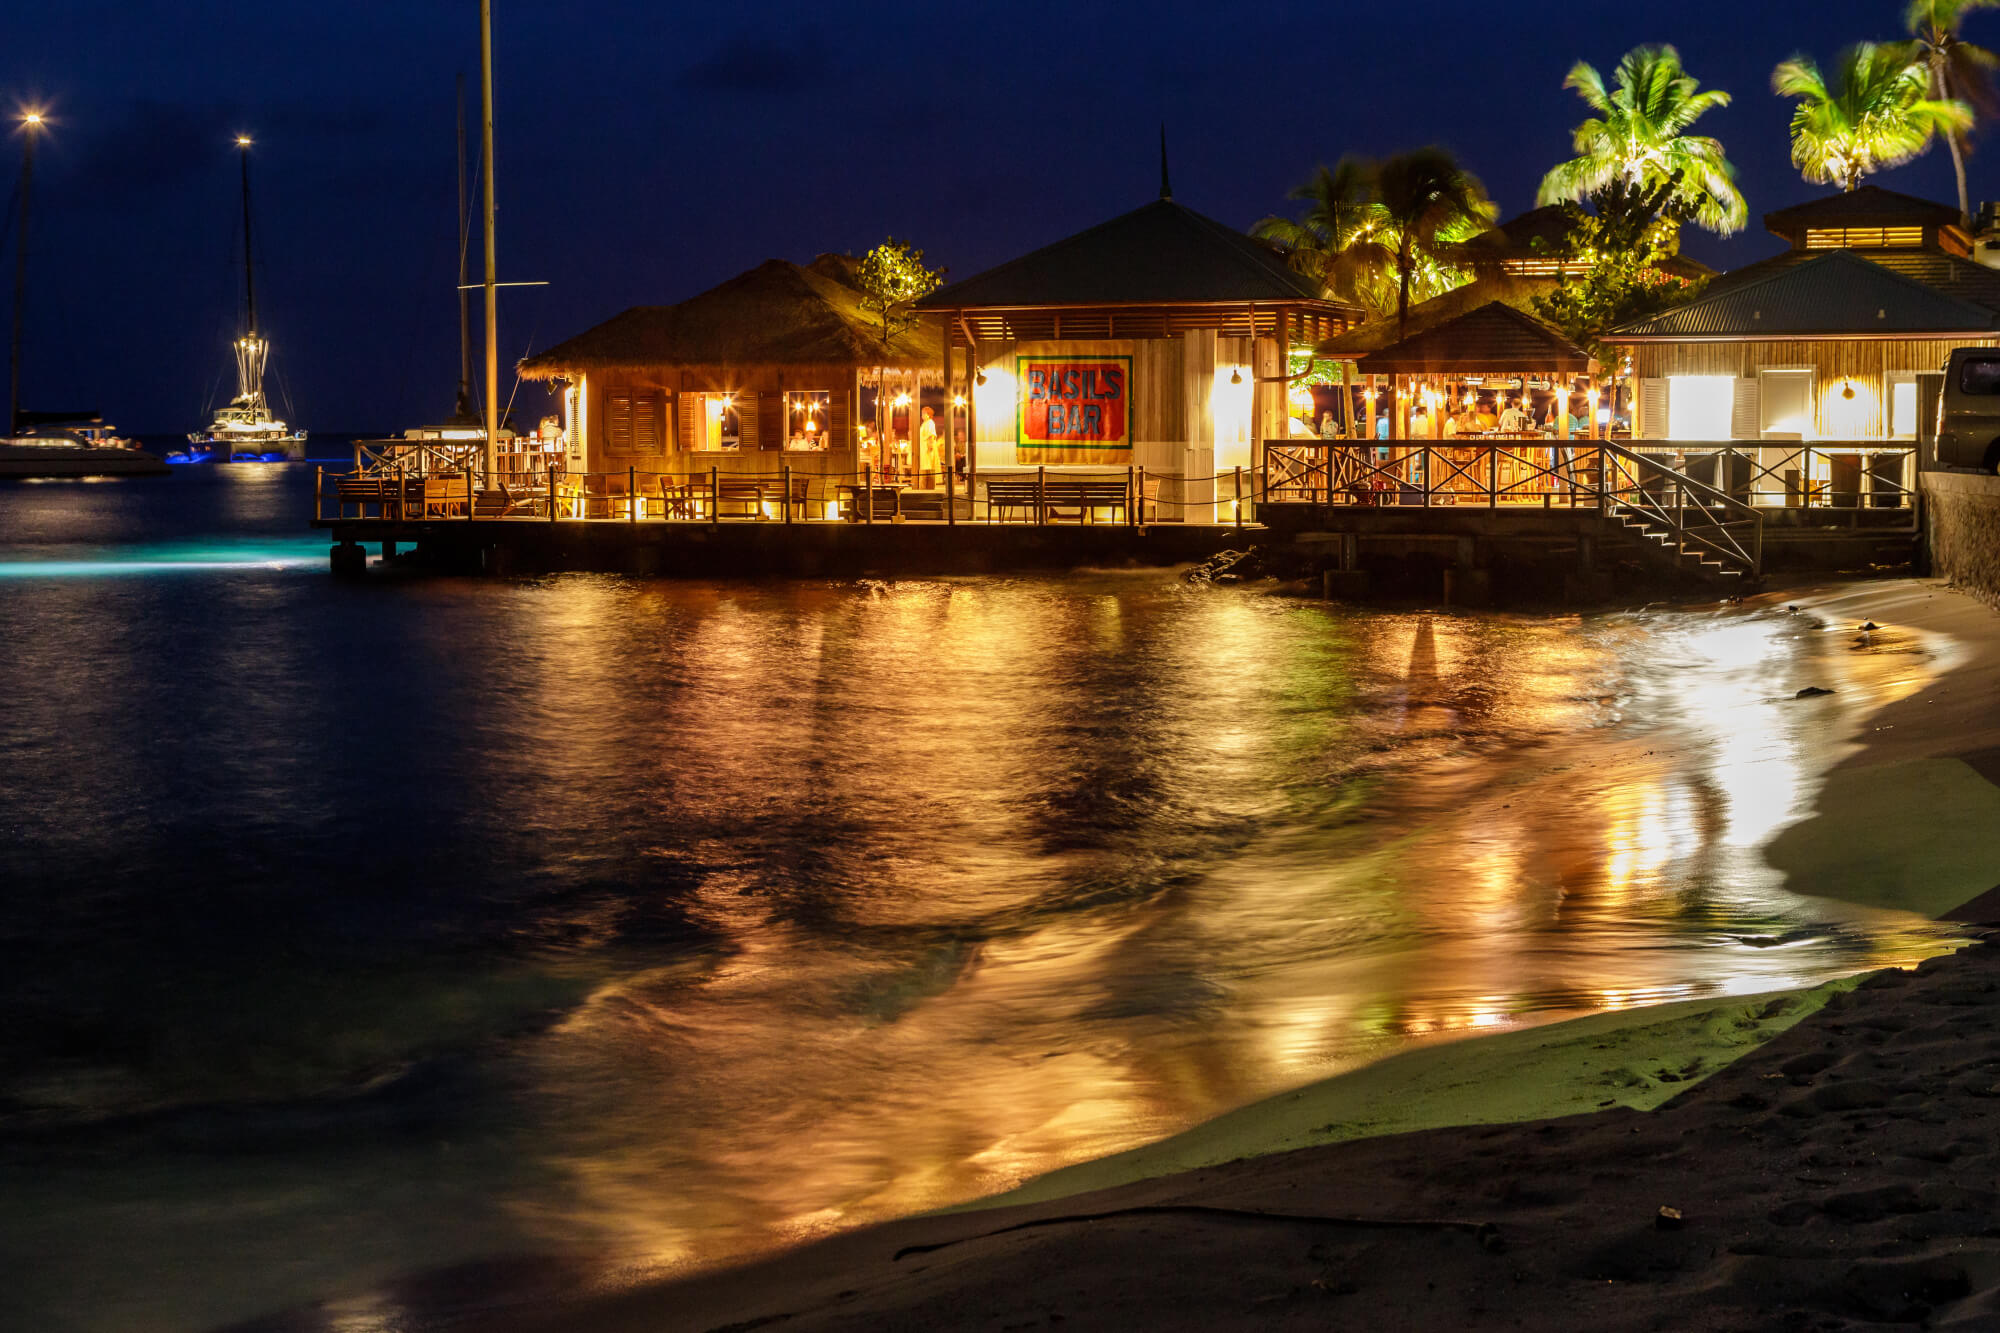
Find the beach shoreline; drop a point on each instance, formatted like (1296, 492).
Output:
(1931, 751)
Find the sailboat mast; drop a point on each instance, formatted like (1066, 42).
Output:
(31, 125)
(464, 296)
(492, 403)
(249, 276)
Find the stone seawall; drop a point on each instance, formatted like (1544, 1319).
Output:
(1962, 530)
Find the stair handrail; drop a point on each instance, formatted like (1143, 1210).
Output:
(1675, 520)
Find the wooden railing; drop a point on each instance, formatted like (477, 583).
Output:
(390, 491)
(1610, 479)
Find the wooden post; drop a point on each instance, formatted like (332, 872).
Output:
(402, 495)
(1424, 472)
(552, 490)
(1492, 476)
(1041, 493)
(1139, 498)
(867, 497)
(788, 492)
(715, 495)
(632, 493)
(1131, 493)
(1239, 497)
(951, 483)
(468, 495)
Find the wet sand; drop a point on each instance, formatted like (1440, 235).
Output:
(1841, 1173)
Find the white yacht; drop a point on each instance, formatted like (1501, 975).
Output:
(82, 446)
(245, 431)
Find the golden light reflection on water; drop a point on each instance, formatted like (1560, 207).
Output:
(998, 876)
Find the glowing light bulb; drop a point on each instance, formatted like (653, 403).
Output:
(242, 141)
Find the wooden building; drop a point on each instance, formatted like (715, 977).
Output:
(1156, 341)
(1825, 341)
(778, 368)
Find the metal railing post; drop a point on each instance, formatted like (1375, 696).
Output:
(951, 495)
(788, 493)
(1239, 497)
(1041, 494)
(402, 495)
(714, 495)
(1424, 473)
(1131, 484)
(867, 497)
(632, 493)
(1139, 498)
(552, 490)
(1493, 476)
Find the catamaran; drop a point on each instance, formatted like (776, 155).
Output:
(53, 444)
(245, 431)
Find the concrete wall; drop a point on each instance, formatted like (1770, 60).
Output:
(1962, 530)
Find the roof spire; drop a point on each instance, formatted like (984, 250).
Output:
(1166, 189)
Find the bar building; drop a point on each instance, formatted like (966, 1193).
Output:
(1155, 342)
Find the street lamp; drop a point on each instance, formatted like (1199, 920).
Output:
(32, 121)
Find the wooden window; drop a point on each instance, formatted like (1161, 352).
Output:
(632, 423)
(618, 422)
(1864, 238)
(716, 421)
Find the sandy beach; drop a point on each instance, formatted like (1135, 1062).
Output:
(1839, 1173)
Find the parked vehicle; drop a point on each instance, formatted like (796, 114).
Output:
(1968, 433)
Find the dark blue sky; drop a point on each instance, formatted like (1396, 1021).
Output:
(647, 151)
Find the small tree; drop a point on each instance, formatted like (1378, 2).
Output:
(893, 279)
(1624, 243)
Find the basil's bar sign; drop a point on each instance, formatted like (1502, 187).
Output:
(1073, 409)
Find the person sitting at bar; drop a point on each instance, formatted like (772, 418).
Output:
(1513, 420)
(1482, 412)
(1579, 418)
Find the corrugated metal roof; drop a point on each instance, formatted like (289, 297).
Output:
(1160, 254)
(1495, 337)
(1836, 292)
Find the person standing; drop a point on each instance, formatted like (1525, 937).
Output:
(929, 461)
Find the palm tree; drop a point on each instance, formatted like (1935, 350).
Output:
(1430, 207)
(1874, 115)
(1336, 240)
(1958, 69)
(1640, 136)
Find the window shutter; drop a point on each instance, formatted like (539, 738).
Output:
(747, 407)
(688, 439)
(771, 424)
(646, 423)
(1653, 409)
(1744, 422)
(836, 422)
(618, 421)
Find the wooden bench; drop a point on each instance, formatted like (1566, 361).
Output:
(1048, 499)
(732, 496)
(361, 491)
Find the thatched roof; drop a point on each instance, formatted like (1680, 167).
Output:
(1160, 254)
(1495, 338)
(777, 314)
(1506, 288)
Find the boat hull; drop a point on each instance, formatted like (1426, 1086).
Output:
(17, 463)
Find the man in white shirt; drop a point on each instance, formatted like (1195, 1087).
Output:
(1513, 420)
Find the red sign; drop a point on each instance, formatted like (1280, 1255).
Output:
(1074, 404)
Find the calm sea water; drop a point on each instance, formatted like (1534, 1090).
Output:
(351, 930)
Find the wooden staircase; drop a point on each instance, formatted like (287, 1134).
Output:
(1680, 524)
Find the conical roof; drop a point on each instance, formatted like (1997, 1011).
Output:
(1161, 254)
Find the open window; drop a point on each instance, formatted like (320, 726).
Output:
(717, 424)
(808, 420)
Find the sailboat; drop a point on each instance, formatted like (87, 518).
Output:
(456, 445)
(245, 431)
(54, 444)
